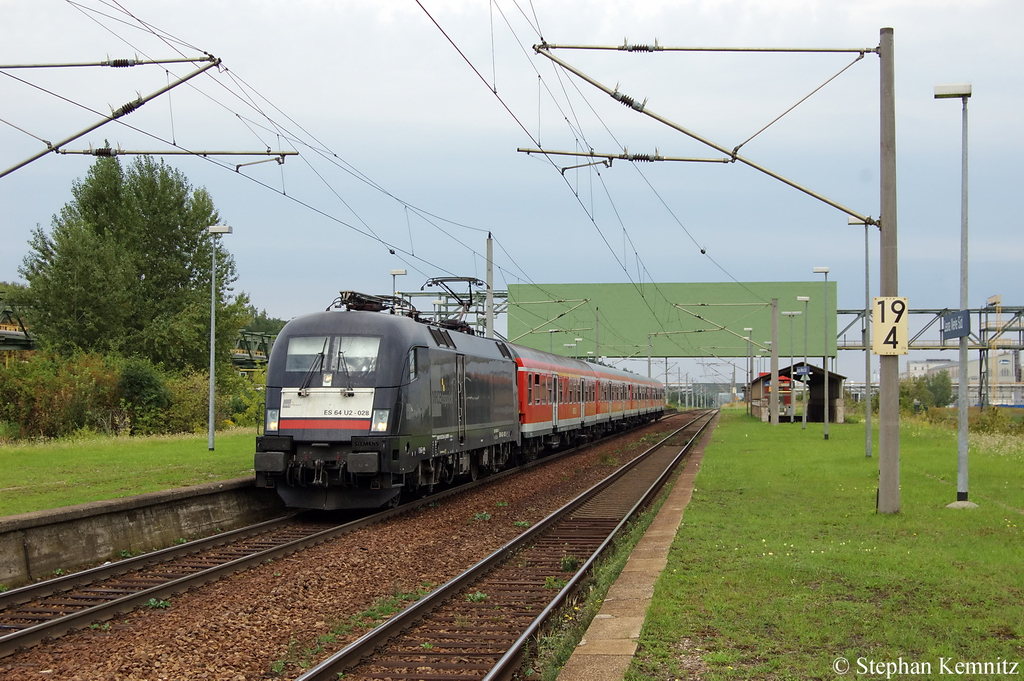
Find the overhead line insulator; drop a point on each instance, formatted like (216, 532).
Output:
(128, 108)
(628, 101)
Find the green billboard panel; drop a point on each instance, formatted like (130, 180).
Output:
(672, 320)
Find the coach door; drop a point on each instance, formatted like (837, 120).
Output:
(460, 394)
(556, 399)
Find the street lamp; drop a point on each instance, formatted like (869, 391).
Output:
(214, 231)
(962, 91)
(866, 335)
(805, 300)
(792, 402)
(750, 367)
(824, 363)
(394, 281)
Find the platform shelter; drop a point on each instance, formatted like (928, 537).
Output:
(760, 394)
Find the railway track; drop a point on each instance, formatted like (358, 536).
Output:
(37, 612)
(478, 625)
(46, 610)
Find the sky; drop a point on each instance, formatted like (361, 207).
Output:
(407, 118)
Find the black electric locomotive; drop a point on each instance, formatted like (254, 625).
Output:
(363, 405)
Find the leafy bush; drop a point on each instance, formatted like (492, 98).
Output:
(45, 396)
(188, 411)
(993, 421)
(247, 399)
(144, 394)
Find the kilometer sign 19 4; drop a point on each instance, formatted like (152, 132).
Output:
(889, 325)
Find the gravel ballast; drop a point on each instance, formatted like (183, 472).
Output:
(275, 620)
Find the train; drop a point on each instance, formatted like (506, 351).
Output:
(366, 405)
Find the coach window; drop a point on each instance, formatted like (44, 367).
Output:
(529, 388)
(536, 388)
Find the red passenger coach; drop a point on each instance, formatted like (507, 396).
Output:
(564, 400)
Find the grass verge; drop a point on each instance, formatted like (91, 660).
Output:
(40, 476)
(782, 566)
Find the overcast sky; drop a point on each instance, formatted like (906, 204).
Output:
(405, 146)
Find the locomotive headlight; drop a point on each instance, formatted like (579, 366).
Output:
(273, 415)
(379, 424)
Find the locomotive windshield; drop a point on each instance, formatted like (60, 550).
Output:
(351, 356)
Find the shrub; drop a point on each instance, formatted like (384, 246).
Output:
(246, 406)
(45, 396)
(991, 420)
(48, 396)
(144, 395)
(188, 410)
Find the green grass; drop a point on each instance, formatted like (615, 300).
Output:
(782, 564)
(35, 477)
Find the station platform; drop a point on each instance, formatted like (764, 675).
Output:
(606, 650)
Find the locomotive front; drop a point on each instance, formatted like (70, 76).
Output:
(334, 381)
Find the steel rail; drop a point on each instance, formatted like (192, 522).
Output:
(76, 580)
(32, 635)
(510, 661)
(363, 647)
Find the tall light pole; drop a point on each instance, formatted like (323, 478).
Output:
(773, 396)
(866, 335)
(792, 402)
(214, 231)
(805, 300)
(394, 281)
(963, 91)
(824, 363)
(750, 367)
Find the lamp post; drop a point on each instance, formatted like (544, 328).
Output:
(792, 402)
(394, 281)
(773, 396)
(805, 300)
(750, 367)
(866, 335)
(214, 231)
(824, 363)
(963, 92)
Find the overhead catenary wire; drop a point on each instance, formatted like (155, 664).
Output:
(300, 140)
(244, 93)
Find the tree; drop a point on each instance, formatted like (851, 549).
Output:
(125, 268)
(261, 322)
(914, 394)
(940, 386)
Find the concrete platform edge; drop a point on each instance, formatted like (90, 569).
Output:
(607, 648)
(34, 545)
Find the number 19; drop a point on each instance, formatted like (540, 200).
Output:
(897, 306)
